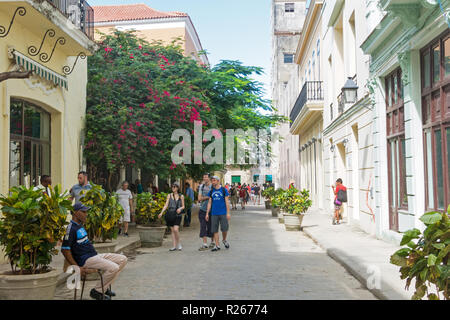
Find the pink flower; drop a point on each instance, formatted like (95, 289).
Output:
(142, 105)
(140, 47)
(131, 56)
(138, 124)
(166, 93)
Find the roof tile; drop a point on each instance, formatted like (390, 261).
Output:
(131, 12)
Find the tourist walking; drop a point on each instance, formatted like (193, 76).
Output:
(219, 207)
(243, 196)
(258, 194)
(126, 201)
(205, 226)
(174, 206)
(190, 194)
(234, 197)
(340, 196)
(83, 185)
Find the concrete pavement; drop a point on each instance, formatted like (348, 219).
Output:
(363, 255)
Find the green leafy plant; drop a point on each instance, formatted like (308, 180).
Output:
(300, 203)
(286, 198)
(105, 213)
(277, 198)
(149, 207)
(31, 226)
(187, 203)
(268, 193)
(425, 260)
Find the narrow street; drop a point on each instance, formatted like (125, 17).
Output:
(264, 262)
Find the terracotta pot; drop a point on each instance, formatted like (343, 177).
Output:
(151, 236)
(293, 222)
(28, 287)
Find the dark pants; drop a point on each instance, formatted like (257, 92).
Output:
(187, 218)
(205, 226)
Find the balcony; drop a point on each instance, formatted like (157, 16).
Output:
(309, 104)
(79, 12)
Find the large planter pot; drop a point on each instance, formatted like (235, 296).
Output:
(275, 212)
(28, 287)
(151, 236)
(280, 216)
(293, 222)
(268, 204)
(106, 247)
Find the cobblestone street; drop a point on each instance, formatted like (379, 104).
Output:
(264, 262)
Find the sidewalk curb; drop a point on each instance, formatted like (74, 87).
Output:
(358, 269)
(129, 246)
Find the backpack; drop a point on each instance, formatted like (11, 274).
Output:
(342, 195)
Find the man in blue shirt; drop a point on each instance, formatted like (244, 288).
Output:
(219, 206)
(190, 194)
(78, 250)
(83, 184)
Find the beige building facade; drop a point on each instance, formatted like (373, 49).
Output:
(42, 116)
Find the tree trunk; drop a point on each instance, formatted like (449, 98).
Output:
(14, 75)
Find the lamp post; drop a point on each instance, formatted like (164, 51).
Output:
(350, 91)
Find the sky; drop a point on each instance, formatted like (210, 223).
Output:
(228, 29)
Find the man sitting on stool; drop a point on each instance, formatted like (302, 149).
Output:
(78, 250)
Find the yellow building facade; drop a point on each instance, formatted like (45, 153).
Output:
(42, 116)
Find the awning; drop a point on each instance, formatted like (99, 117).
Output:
(42, 71)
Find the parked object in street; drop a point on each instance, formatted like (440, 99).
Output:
(41, 222)
(426, 260)
(150, 228)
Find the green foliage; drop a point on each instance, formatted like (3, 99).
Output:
(31, 226)
(139, 92)
(148, 208)
(105, 213)
(187, 203)
(277, 198)
(269, 193)
(425, 257)
(300, 203)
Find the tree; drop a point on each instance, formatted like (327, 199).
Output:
(139, 92)
(15, 75)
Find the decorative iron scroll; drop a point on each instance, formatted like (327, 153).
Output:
(44, 56)
(67, 70)
(3, 31)
(33, 51)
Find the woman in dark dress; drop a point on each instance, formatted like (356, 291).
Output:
(174, 206)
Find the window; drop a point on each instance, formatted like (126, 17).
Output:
(398, 197)
(289, 7)
(29, 144)
(435, 68)
(314, 65)
(318, 59)
(288, 58)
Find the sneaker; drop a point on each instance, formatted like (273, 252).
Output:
(126, 234)
(212, 245)
(179, 247)
(110, 293)
(215, 248)
(226, 244)
(94, 294)
(204, 247)
(120, 231)
(173, 249)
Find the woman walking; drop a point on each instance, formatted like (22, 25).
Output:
(175, 206)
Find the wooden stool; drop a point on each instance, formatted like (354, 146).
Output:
(83, 279)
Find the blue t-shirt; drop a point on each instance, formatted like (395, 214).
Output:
(218, 206)
(76, 240)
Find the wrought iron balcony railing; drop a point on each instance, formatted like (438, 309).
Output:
(311, 91)
(79, 12)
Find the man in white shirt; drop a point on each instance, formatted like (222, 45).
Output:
(46, 181)
(126, 201)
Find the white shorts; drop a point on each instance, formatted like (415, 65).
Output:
(126, 215)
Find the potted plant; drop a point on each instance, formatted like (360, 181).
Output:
(298, 205)
(31, 225)
(276, 202)
(284, 201)
(102, 219)
(151, 229)
(426, 256)
(268, 194)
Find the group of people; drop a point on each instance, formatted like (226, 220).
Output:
(244, 194)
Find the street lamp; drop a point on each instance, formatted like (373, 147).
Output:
(332, 148)
(350, 91)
